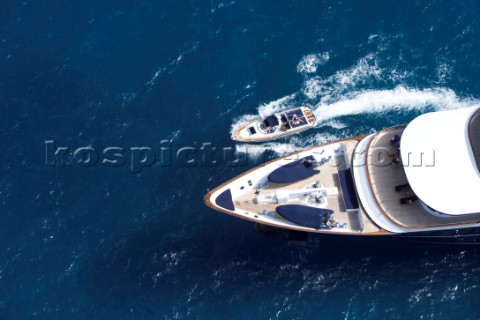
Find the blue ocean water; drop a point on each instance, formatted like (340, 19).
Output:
(103, 242)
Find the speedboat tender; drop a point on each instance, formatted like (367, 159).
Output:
(277, 125)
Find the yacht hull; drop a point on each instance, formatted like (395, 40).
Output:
(454, 236)
(221, 199)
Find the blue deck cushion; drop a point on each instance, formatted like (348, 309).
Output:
(293, 172)
(348, 189)
(225, 201)
(271, 121)
(305, 216)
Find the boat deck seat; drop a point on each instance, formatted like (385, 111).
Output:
(294, 171)
(305, 216)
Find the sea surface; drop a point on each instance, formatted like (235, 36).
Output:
(101, 230)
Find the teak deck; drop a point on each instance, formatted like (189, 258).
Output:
(329, 178)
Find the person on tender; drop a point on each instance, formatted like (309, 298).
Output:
(295, 120)
(271, 129)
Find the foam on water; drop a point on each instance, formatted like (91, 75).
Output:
(257, 151)
(329, 89)
(444, 71)
(335, 124)
(365, 70)
(295, 143)
(310, 62)
(362, 102)
(174, 134)
(378, 101)
(343, 94)
(191, 48)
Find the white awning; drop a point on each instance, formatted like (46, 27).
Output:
(439, 161)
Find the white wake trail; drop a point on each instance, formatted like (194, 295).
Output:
(295, 143)
(344, 93)
(399, 98)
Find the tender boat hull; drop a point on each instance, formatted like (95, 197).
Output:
(259, 129)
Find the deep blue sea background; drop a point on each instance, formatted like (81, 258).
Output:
(102, 242)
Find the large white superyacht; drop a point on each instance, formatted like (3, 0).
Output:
(421, 180)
